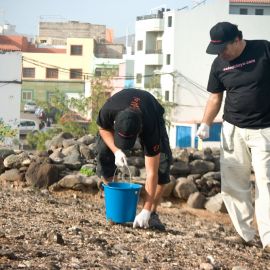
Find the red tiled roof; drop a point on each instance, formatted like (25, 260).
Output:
(20, 43)
(251, 1)
(9, 47)
(13, 43)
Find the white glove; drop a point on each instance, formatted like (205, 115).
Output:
(203, 131)
(120, 158)
(142, 219)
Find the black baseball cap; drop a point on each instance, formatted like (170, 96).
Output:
(127, 126)
(221, 34)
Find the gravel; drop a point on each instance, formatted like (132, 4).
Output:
(68, 230)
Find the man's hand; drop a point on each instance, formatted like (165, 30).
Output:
(203, 131)
(142, 219)
(120, 158)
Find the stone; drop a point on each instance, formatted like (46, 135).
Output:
(215, 204)
(201, 166)
(183, 188)
(168, 188)
(196, 200)
(180, 168)
(42, 175)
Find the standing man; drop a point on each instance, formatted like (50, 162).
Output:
(242, 69)
(129, 114)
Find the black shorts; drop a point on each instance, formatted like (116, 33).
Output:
(106, 159)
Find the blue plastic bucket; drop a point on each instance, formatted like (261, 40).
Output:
(121, 200)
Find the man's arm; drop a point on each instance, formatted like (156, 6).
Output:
(151, 166)
(108, 138)
(212, 107)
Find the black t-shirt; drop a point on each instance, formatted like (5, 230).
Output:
(247, 82)
(152, 116)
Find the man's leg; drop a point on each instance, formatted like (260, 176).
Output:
(235, 181)
(158, 196)
(260, 146)
(105, 162)
(163, 178)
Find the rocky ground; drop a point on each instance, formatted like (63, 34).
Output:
(68, 230)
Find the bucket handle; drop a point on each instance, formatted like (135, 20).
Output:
(122, 174)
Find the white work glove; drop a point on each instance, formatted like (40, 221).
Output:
(120, 158)
(203, 131)
(142, 219)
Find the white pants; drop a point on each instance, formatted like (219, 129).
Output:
(242, 148)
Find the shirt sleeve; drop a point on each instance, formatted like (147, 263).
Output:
(104, 119)
(214, 83)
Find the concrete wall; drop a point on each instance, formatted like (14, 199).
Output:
(71, 29)
(10, 70)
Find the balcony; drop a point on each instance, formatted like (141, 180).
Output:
(153, 51)
(150, 16)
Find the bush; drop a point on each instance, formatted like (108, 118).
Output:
(87, 171)
(37, 140)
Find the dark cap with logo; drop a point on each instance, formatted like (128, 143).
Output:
(127, 126)
(221, 34)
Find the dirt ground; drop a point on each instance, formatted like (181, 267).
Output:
(68, 230)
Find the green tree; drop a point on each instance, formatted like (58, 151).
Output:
(6, 131)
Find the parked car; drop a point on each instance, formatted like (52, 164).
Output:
(30, 106)
(27, 126)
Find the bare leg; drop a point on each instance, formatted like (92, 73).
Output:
(158, 195)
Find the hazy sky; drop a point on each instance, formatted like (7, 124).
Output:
(119, 15)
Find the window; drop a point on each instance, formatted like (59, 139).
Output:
(98, 72)
(170, 21)
(159, 46)
(168, 59)
(51, 97)
(139, 78)
(51, 73)
(76, 50)
(243, 11)
(259, 11)
(27, 95)
(75, 74)
(167, 95)
(139, 45)
(29, 72)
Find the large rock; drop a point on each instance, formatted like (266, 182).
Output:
(215, 204)
(42, 175)
(86, 152)
(201, 166)
(2, 166)
(76, 182)
(57, 141)
(183, 188)
(181, 155)
(136, 161)
(15, 161)
(87, 139)
(11, 176)
(196, 200)
(168, 188)
(180, 168)
(4, 152)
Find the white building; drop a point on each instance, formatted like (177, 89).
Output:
(177, 40)
(10, 88)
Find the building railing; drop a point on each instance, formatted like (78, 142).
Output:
(153, 51)
(150, 16)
